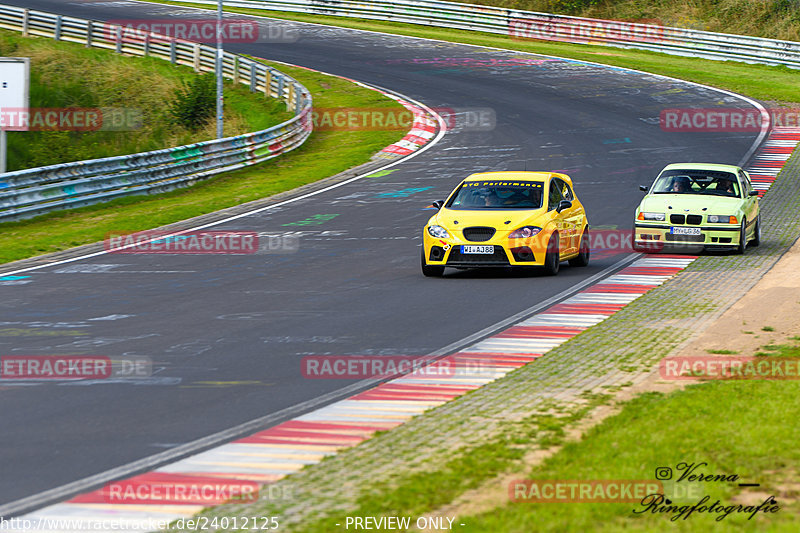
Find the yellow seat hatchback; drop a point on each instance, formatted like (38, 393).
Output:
(507, 219)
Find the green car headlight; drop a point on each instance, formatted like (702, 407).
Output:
(657, 217)
(438, 232)
(722, 219)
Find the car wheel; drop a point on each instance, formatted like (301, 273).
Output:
(742, 238)
(552, 261)
(757, 233)
(430, 271)
(582, 259)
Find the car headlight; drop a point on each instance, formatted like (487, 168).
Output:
(438, 232)
(658, 217)
(524, 232)
(722, 219)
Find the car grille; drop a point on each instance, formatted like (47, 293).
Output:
(478, 233)
(695, 220)
(684, 238)
(498, 258)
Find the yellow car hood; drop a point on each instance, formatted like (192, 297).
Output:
(501, 219)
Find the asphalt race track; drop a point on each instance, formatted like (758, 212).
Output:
(226, 333)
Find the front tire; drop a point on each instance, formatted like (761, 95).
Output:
(552, 259)
(430, 271)
(757, 233)
(742, 238)
(582, 259)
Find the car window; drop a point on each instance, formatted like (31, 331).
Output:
(745, 182)
(705, 182)
(554, 197)
(495, 194)
(566, 191)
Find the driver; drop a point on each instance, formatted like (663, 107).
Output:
(680, 184)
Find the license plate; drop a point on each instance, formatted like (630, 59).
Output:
(486, 249)
(685, 231)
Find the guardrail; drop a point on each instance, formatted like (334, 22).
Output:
(34, 191)
(532, 25)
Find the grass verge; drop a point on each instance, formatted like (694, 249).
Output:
(718, 423)
(780, 84)
(69, 75)
(324, 154)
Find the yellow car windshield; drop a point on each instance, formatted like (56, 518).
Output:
(497, 195)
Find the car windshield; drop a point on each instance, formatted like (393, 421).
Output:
(706, 182)
(497, 195)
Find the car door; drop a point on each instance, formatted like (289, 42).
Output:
(750, 202)
(572, 218)
(554, 198)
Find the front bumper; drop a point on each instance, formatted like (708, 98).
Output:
(507, 253)
(712, 237)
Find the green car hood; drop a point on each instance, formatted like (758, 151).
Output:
(695, 203)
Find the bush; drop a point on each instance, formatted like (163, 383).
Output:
(195, 103)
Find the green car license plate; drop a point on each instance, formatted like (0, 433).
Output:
(684, 231)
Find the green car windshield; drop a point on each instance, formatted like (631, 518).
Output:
(706, 182)
(496, 194)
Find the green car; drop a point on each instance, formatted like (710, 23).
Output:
(698, 206)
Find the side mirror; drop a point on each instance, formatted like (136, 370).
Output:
(643, 188)
(438, 204)
(753, 193)
(563, 204)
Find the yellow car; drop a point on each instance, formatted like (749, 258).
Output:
(507, 219)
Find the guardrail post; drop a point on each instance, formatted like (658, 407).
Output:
(173, 51)
(298, 100)
(89, 30)
(196, 57)
(147, 44)
(26, 17)
(268, 82)
(280, 87)
(57, 34)
(235, 70)
(119, 40)
(253, 78)
(291, 96)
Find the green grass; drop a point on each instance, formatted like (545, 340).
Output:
(763, 82)
(767, 328)
(67, 74)
(325, 153)
(722, 352)
(737, 427)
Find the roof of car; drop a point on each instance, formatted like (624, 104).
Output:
(515, 175)
(702, 166)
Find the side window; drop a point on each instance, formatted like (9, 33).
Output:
(566, 192)
(747, 186)
(554, 197)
